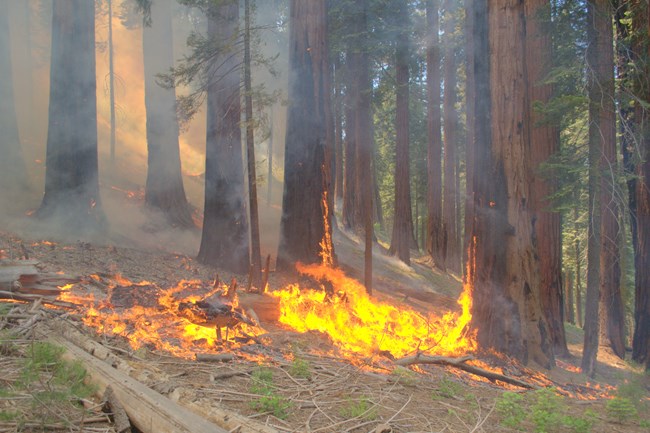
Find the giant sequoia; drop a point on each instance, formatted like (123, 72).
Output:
(504, 271)
(305, 229)
(71, 184)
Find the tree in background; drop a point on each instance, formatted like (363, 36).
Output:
(434, 234)
(544, 143)
(13, 178)
(451, 242)
(164, 189)
(305, 228)
(402, 235)
(224, 241)
(71, 184)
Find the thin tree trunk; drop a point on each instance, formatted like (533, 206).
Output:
(570, 309)
(269, 157)
(577, 251)
(111, 79)
(338, 130)
(434, 137)
(595, 10)
(256, 254)
(402, 236)
(350, 178)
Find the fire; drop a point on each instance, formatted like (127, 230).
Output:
(161, 324)
(361, 325)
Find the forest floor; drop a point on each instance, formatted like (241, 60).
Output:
(299, 382)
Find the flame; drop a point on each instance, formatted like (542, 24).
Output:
(359, 324)
(161, 326)
(326, 245)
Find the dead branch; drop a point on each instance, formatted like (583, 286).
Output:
(460, 363)
(33, 298)
(112, 405)
(214, 357)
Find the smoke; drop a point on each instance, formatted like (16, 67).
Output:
(122, 181)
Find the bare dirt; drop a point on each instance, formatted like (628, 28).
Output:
(299, 383)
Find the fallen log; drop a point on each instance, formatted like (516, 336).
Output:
(265, 307)
(149, 411)
(214, 357)
(461, 364)
(34, 298)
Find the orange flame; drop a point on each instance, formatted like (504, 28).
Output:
(359, 324)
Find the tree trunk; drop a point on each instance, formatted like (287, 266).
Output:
(434, 137)
(402, 236)
(256, 254)
(503, 271)
(224, 241)
(595, 11)
(164, 189)
(577, 251)
(71, 196)
(306, 217)
(569, 307)
(350, 206)
(13, 178)
(469, 121)
(451, 246)
(641, 338)
(544, 143)
(111, 80)
(269, 157)
(337, 107)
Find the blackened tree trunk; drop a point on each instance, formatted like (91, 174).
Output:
(470, 128)
(544, 142)
(305, 228)
(13, 178)
(337, 107)
(434, 137)
(503, 270)
(402, 236)
(224, 241)
(71, 186)
(256, 255)
(641, 338)
(451, 244)
(596, 12)
(164, 187)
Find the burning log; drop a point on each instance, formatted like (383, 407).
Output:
(461, 364)
(214, 312)
(16, 273)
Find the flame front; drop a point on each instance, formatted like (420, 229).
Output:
(361, 325)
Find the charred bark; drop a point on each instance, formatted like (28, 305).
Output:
(164, 189)
(71, 196)
(504, 272)
(224, 241)
(544, 142)
(305, 232)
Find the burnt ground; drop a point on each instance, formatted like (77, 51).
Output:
(298, 382)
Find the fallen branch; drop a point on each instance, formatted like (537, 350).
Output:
(33, 298)
(113, 406)
(212, 357)
(460, 363)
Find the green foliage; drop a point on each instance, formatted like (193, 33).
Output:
(9, 415)
(448, 388)
(546, 412)
(269, 401)
(510, 409)
(300, 369)
(359, 408)
(404, 376)
(621, 409)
